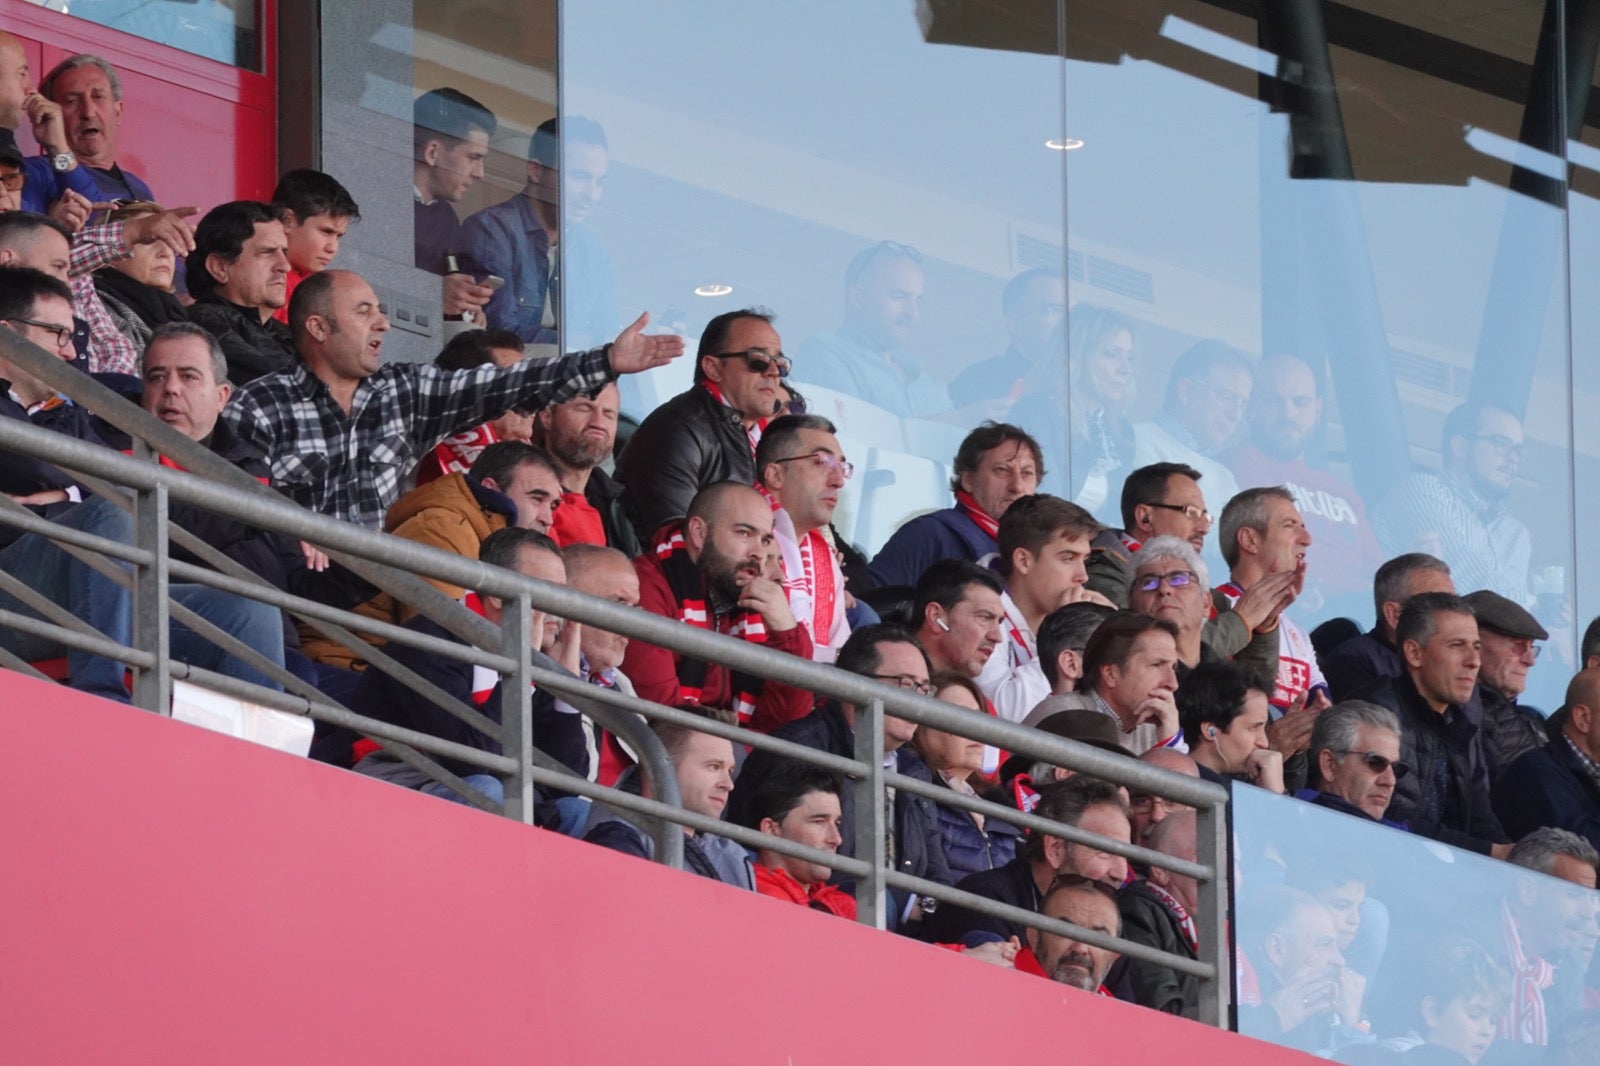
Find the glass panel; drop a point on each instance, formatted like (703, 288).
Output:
(877, 191)
(225, 30)
(1355, 939)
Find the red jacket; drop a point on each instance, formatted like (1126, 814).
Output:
(780, 884)
(654, 671)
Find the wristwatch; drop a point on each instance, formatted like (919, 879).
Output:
(63, 161)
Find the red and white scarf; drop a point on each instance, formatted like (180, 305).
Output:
(1524, 1019)
(1191, 934)
(811, 582)
(970, 507)
(694, 609)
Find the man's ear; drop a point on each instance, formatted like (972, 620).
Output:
(769, 827)
(1325, 765)
(772, 476)
(217, 267)
(1022, 561)
(1248, 540)
(711, 368)
(226, 390)
(289, 219)
(1161, 877)
(1055, 852)
(1391, 615)
(491, 484)
(1141, 518)
(1276, 949)
(1429, 1009)
(430, 152)
(1412, 652)
(695, 534)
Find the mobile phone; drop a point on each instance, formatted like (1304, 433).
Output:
(494, 281)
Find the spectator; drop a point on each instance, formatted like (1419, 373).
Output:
(1361, 661)
(557, 274)
(511, 484)
(1284, 415)
(1225, 718)
(958, 616)
(1507, 632)
(892, 655)
(996, 465)
(866, 357)
(449, 140)
(1020, 779)
(55, 172)
(238, 275)
(1206, 398)
(1158, 912)
(406, 409)
(44, 244)
(1460, 994)
(38, 308)
(706, 572)
(1545, 922)
(1129, 674)
(1293, 948)
(605, 574)
(1448, 797)
(971, 841)
(1589, 650)
(388, 699)
(89, 93)
(1159, 500)
(468, 350)
(1044, 543)
(704, 767)
(1085, 803)
(1460, 513)
(800, 804)
(11, 176)
(579, 435)
(802, 467)
(1169, 581)
(1089, 905)
(1264, 542)
(1559, 784)
(1034, 304)
(138, 291)
(1099, 390)
(709, 433)
(1355, 756)
(1057, 666)
(316, 212)
(1150, 810)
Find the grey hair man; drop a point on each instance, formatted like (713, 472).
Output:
(1363, 659)
(1355, 759)
(89, 93)
(1170, 581)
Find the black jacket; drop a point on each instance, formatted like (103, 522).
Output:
(252, 347)
(605, 495)
(1011, 883)
(1510, 730)
(1446, 794)
(21, 475)
(687, 443)
(1146, 920)
(1549, 786)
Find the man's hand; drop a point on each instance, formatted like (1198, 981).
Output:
(1263, 768)
(995, 952)
(40, 499)
(1161, 711)
(633, 352)
(565, 649)
(316, 558)
(1305, 995)
(766, 598)
(72, 210)
(1291, 734)
(48, 128)
(1262, 602)
(463, 294)
(168, 227)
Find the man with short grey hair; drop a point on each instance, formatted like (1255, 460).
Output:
(1366, 658)
(1355, 759)
(90, 96)
(1171, 582)
(1549, 927)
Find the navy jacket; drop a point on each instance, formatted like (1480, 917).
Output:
(921, 542)
(1358, 663)
(967, 849)
(21, 475)
(1549, 787)
(1011, 883)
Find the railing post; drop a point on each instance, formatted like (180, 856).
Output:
(516, 705)
(152, 689)
(871, 819)
(1211, 921)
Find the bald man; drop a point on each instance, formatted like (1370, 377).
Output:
(606, 574)
(54, 173)
(1148, 810)
(1159, 911)
(706, 570)
(1555, 786)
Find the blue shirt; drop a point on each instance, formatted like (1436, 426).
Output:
(43, 184)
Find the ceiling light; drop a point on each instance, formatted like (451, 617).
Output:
(713, 290)
(1064, 144)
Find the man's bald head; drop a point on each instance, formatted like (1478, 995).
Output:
(1168, 759)
(1149, 810)
(14, 81)
(1580, 718)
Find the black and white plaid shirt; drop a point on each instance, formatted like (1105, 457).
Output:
(351, 467)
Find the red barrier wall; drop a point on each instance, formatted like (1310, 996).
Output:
(168, 895)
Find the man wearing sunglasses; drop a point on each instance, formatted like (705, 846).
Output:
(709, 433)
(803, 469)
(1355, 759)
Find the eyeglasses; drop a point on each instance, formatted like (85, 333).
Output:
(13, 181)
(1519, 648)
(1144, 803)
(1177, 579)
(1227, 399)
(1189, 510)
(1508, 448)
(62, 334)
(1379, 763)
(906, 681)
(825, 461)
(759, 360)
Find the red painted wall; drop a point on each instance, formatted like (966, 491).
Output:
(200, 132)
(173, 896)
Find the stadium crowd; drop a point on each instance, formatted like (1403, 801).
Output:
(1159, 608)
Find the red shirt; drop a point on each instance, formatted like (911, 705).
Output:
(290, 283)
(780, 884)
(577, 522)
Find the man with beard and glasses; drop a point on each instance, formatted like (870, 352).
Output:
(1460, 513)
(1085, 903)
(579, 435)
(705, 571)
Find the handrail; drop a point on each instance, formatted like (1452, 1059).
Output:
(209, 482)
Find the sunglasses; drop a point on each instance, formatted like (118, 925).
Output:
(1379, 763)
(759, 360)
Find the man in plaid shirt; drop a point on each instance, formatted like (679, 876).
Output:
(341, 431)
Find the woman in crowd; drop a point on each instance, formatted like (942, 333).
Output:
(138, 290)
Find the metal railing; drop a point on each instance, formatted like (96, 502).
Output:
(398, 566)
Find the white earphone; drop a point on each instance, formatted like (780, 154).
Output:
(942, 624)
